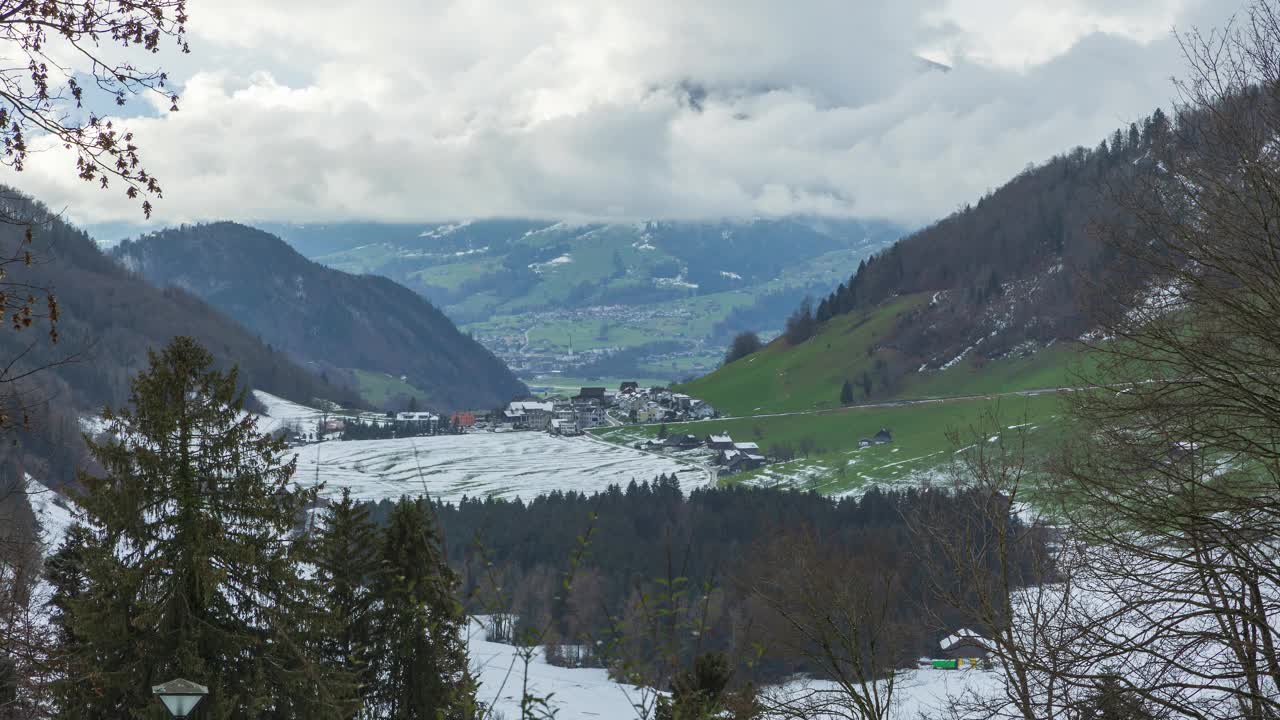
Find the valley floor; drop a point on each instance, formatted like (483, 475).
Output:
(449, 467)
(482, 464)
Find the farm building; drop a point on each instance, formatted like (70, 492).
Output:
(964, 644)
(719, 442)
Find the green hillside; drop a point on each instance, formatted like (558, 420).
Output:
(787, 399)
(809, 376)
(831, 462)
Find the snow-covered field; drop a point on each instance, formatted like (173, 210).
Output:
(588, 693)
(283, 413)
(576, 693)
(447, 467)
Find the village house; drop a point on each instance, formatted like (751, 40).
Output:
(649, 412)
(681, 442)
(567, 428)
(700, 410)
(629, 387)
(719, 442)
(589, 415)
(529, 415)
(735, 460)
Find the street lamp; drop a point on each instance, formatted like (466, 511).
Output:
(180, 696)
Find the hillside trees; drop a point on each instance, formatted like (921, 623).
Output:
(801, 325)
(346, 561)
(188, 567)
(419, 668)
(744, 343)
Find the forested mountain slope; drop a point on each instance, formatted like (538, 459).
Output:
(1020, 268)
(323, 315)
(108, 319)
(982, 292)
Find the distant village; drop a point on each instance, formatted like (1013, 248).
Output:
(594, 407)
(569, 416)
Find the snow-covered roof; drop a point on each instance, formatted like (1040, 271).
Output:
(719, 438)
(747, 447)
(960, 636)
(531, 406)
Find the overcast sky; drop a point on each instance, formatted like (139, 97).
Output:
(409, 110)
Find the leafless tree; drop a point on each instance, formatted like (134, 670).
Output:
(1003, 570)
(837, 613)
(48, 45)
(1170, 482)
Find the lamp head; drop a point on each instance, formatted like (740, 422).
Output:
(180, 696)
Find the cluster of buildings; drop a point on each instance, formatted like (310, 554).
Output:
(558, 415)
(639, 405)
(598, 406)
(730, 456)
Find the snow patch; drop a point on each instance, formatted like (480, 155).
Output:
(52, 510)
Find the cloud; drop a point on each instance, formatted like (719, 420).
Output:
(408, 111)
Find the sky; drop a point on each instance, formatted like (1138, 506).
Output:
(422, 110)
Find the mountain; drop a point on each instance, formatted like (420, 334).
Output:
(656, 299)
(359, 322)
(108, 319)
(989, 299)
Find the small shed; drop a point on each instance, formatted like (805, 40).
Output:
(964, 644)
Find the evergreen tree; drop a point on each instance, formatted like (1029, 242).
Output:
(846, 393)
(346, 559)
(420, 659)
(824, 311)
(188, 565)
(744, 343)
(698, 693)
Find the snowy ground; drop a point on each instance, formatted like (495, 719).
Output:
(447, 467)
(53, 512)
(588, 693)
(282, 413)
(576, 693)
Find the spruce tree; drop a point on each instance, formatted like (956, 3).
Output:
(420, 658)
(346, 560)
(846, 393)
(189, 568)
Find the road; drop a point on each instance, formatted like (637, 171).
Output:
(887, 404)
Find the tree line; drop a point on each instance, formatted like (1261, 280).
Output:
(734, 549)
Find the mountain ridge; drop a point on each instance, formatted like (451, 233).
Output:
(360, 322)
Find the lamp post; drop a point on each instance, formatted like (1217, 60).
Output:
(180, 696)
